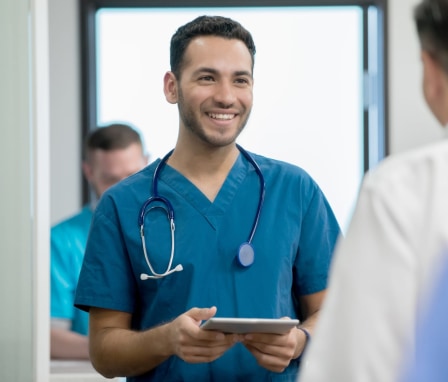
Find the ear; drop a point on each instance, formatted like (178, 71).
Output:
(87, 170)
(433, 76)
(170, 87)
(435, 87)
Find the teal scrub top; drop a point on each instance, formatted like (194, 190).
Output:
(293, 244)
(68, 243)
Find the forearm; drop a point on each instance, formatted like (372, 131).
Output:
(307, 326)
(122, 352)
(116, 350)
(310, 305)
(310, 322)
(65, 344)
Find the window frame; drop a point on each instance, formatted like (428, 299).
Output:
(375, 88)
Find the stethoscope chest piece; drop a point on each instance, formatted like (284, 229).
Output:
(246, 255)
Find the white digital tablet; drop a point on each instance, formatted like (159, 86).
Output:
(249, 325)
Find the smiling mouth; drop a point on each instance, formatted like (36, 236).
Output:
(221, 117)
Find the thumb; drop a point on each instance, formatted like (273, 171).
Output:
(200, 314)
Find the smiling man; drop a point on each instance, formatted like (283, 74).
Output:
(246, 236)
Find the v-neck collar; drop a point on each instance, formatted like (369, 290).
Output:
(212, 211)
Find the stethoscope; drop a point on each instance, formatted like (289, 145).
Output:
(246, 253)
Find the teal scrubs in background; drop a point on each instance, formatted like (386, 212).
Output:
(68, 243)
(293, 243)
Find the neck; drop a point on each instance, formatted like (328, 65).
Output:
(206, 169)
(203, 160)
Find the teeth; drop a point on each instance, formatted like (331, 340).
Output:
(222, 116)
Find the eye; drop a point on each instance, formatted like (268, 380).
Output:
(242, 81)
(207, 78)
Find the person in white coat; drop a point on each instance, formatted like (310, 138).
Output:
(428, 363)
(383, 269)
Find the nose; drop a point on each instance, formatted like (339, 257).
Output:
(225, 93)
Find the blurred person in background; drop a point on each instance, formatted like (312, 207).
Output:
(110, 154)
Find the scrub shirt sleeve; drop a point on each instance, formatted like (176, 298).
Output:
(62, 276)
(106, 279)
(319, 234)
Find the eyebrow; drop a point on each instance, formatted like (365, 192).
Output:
(214, 71)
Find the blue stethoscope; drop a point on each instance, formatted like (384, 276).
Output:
(246, 254)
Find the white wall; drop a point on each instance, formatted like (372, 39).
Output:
(24, 202)
(65, 112)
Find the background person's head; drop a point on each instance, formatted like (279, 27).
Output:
(110, 154)
(206, 26)
(431, 18)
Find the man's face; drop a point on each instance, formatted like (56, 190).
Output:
(105, 168)
(215, 91)
(435, 87)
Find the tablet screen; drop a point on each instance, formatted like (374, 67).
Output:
(249, 325)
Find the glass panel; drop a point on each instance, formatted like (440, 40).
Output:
(308, 95)
(372, 101)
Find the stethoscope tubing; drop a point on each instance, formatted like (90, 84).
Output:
(246, 252)
(262, 191)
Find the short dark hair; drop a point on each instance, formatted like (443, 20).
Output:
(206, 26)
(431, 19)
(111, 137)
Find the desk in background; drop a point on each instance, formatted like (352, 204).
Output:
(76, 371)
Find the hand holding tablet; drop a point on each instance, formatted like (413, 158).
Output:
(249, 325)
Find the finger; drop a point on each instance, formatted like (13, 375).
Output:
(276, 363)
(276, 339)
(214, 338)
(283, 351)
(203, 353)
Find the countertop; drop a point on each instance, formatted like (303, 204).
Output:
(76, 371)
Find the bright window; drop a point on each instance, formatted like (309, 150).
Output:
(309, 94)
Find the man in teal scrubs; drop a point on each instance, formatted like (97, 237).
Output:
(111, 153)
(162, 255)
